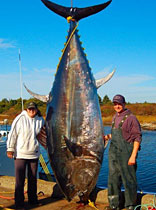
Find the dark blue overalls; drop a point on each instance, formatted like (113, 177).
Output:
(119, 171)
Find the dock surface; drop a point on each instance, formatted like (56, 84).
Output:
(50, 197)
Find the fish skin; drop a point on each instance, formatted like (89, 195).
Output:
(73, 128)
(74, 116)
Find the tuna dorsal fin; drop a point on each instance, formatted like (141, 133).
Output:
(102, 81)
(42, 137)
(44, 98)
(75, 13)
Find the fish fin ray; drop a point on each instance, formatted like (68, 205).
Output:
(87, 11)
(76, 13)
(43, 98)
(102, 81)
(58, 9)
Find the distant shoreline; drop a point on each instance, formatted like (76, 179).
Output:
(144, 126)
(145, 113)
(148, 126)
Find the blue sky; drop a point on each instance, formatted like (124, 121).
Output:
(123, 36)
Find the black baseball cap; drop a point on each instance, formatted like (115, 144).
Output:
(119, 99)
(31, 105)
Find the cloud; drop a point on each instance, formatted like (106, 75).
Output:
(135, 87)
(134, 79)
(130, 79)
(5, 45)
(38, 83)
(45, 70)
(103, 73)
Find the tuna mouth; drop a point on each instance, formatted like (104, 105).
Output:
(83, 197)
(83, 175)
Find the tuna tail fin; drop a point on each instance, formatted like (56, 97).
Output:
(75, 13)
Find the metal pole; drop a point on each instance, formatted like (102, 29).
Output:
(71, 3)
(20, 67)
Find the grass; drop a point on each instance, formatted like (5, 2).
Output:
(146, 119)
(141, 118)
(145, 113)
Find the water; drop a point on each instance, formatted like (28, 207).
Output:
(4, 131)
(146, 170)
(5, 127)
(6, 164)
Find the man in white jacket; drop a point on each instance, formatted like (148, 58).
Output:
(23, 146)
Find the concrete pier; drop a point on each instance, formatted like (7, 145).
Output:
(50, 197)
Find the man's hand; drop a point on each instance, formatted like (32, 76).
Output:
(10, 154)
(131, 161)
(107, 137)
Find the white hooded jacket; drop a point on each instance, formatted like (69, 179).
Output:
(22, 136)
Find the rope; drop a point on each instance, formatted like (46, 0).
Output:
(8, 198)
(91, 204)
(1, 208)
(45, 168)
(7, 192)
(70, 18)
(71, 35)
(147, 206)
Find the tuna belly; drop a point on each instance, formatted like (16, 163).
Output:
(77, 176)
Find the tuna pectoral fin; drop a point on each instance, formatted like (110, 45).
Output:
(74, 148)
(102, 81)
(42, 137)
(37, 96)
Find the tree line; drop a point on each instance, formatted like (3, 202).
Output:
(6, 104)
(105, 100)
(12, 108)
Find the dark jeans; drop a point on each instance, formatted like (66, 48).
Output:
(20, 169)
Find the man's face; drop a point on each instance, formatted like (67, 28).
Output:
(119, 107)
(32, 112)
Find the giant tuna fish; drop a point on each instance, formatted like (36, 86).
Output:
(73, 123)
